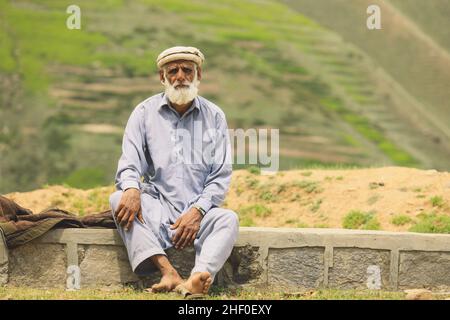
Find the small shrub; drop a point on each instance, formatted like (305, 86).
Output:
(306, 173)
(257, 209)
(316, 205)
(432, 223)
(281, 188)
(252, 183)
(302, 225)
(254, 170)
(437, 201)
(361, 220)
(268, 196)
(309, 186)
(246, 222)
(401, 219)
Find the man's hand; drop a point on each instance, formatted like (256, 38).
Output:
(129, 205)
(188, 225)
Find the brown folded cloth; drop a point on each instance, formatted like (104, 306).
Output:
(20, 225)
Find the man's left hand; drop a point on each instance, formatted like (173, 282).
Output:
(188, 225)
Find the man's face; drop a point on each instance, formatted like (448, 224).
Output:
(180, 79)
(180, 73)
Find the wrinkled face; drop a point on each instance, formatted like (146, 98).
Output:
(180, 79)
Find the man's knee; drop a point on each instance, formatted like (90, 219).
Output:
(229, 217)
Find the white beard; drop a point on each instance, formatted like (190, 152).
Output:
(181, 95)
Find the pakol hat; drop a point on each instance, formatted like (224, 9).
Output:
(180, 53)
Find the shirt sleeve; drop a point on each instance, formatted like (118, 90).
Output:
(218, 180)
(132, 163)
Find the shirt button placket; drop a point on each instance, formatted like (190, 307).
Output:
(178, 146)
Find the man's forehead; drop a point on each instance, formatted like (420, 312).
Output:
(180, 63)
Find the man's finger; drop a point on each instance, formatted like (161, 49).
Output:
(130, 222)
(182, 238)
(187, 239)
(118, 209)
(176, 224)
(139, 216)
(120, 214)
(192, 239)
(178, 235)
(124, 220)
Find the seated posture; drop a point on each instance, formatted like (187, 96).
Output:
(172, 177)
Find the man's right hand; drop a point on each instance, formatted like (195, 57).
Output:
(129, 206)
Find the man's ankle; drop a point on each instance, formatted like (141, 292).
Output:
(168, 271)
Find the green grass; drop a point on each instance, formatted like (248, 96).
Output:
(309, 186)
(267, 196)
(401, 219)
(245, 221)
(13, 293)
(432, 223)
(437, 201)
(254, 170)
(86, 178)
(370, 132)
(258, 210)
(361, 220)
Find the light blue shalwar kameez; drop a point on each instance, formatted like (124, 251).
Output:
(160, 160)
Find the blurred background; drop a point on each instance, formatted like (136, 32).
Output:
(342, 95)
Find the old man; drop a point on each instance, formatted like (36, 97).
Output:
(172, 177)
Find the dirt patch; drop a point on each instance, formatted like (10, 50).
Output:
(297, 198)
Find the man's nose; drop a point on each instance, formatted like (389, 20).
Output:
(180, 76)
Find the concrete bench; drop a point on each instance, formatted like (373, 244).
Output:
(262, 257)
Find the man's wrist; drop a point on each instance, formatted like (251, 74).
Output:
(199, 209)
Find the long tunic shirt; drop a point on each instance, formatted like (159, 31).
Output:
(184, 159)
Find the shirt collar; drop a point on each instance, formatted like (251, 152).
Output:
(165, 102)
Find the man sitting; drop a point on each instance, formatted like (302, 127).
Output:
(173, 175)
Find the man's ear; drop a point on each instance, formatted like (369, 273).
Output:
(199, 73)
(161, 75)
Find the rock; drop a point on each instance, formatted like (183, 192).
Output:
(418, 294)
(431, 172)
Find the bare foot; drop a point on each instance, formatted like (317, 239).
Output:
(167, 283)
(198, 282)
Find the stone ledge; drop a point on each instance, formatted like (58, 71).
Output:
(281, 257)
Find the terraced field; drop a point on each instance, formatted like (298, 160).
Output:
(66, 94)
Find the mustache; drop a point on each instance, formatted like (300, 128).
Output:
(184, 84)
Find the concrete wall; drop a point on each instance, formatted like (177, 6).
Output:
(277, 257)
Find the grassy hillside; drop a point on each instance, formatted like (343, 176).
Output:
(65, 95)
(412, 48)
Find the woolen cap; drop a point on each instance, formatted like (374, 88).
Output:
(180, 53)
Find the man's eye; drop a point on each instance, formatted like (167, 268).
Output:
(173, 71)
(187, 70)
